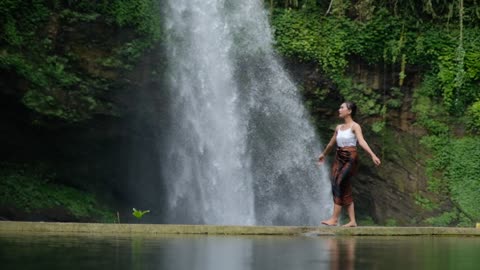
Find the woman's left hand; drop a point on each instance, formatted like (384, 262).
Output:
(376, 160)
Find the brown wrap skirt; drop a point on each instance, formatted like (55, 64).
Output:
(343, 169)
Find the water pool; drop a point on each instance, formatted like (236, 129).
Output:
(50, 251)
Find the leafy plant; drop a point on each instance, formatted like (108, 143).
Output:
(139, 213)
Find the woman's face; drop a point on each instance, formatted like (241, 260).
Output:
(343, 111)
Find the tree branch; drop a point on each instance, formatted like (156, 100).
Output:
(329, 7)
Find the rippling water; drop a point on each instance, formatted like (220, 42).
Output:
(231, 252)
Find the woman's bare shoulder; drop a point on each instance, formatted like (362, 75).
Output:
(356, 126)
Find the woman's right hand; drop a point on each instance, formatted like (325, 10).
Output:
(321, 158)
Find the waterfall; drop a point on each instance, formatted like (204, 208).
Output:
(239, 148)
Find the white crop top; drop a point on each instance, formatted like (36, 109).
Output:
(346, 138)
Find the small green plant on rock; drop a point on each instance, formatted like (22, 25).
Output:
(139, 213)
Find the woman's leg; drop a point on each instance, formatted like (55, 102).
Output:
(351, 215)
(337, 209)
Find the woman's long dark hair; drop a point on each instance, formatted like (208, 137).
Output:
(352, 107)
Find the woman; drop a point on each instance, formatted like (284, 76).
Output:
(345, 164)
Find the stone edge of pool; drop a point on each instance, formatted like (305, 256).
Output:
(159, 229)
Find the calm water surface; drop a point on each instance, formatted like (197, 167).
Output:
(33, 251)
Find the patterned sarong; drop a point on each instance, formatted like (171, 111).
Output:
(344, 167)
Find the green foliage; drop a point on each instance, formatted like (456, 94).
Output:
(54, 90)
(473, 118)
(430, 43)
(370, 102)
(445, 219)
(32, 188)
(377, 39)
(297, 33)
(330, 40)
(366, 221)
(306, 35)
(377, 127)
(126, 55)
(366, 97)
(454, 73)
(462, 173)
(431, 112)
(21, 20)
(57, 83)
(290, 3)
(390, 222)
(458, 87)
(11, 35)
(453, 67)
(72, 16)
(450, 218)
(139, 213)
(141, 14)
(454, 171)
(424, 202)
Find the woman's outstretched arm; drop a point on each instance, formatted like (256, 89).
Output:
(329, 146)
(361, 141)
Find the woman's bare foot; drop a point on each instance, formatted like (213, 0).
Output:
(350, 224)
(330, 222)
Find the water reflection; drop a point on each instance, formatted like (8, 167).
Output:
(216, 252)
(342, 253)
(205, 253)
(290, 253)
